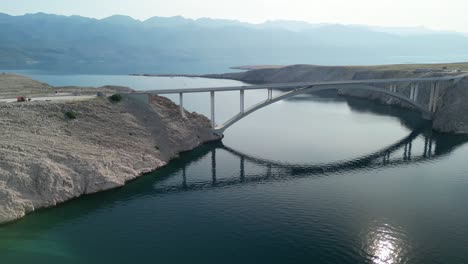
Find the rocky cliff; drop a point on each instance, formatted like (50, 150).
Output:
(47, 158)
(452, 101)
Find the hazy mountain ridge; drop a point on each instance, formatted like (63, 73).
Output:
(121, 44)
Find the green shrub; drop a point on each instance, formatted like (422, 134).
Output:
(116, 98)
(71, 114)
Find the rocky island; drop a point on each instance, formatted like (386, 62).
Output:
(48, 156)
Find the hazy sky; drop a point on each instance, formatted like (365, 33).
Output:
(435, 14)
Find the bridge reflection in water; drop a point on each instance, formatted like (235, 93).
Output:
(402, 153)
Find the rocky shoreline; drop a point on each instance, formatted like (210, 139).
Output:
(47, 158)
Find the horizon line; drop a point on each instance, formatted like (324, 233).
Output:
(373, 27)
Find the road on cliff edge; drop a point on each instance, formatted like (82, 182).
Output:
(56, 97)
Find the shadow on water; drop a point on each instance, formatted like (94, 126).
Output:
(401, 153)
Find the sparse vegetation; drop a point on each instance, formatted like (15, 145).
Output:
(115, 98)
(71, 114)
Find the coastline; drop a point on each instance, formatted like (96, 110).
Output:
(48, 158)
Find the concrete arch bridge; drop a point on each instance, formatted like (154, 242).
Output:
(408, 90)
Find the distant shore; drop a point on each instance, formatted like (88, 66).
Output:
(165, 75)
(257, 67)
(244, 68)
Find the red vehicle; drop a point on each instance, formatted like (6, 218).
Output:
(21, 99)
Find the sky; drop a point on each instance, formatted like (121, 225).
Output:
(434, 14)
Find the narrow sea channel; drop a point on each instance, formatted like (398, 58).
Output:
(314, 179)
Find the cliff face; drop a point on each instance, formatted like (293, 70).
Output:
(452, 102)
(46, 158)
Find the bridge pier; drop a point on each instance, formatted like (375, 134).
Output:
(181, 104)
(270, 94)
(411, 91)
(212, 99)
(242, 107)
(414, 91)
(434, 95)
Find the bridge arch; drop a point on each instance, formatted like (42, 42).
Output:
(310, 89)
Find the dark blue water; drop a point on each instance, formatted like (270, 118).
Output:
(316, 179)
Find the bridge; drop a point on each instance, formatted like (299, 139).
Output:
(409, 90)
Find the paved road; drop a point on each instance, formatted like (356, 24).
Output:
(56, 97)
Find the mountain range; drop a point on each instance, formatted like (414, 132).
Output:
(121, 44)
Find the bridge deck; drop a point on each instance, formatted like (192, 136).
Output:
(300, 84)
(308, 87)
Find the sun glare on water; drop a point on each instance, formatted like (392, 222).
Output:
(384, 245)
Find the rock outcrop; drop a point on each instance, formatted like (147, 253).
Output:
(47, 158)
(452, 102)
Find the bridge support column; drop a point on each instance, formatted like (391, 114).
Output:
(415, 90)
(270, 94)
(435, 87)
(181, 104)
(213, 122)
(242, 108)
(436, 96)
(411, 92)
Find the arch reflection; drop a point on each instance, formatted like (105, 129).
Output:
(401, 153)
